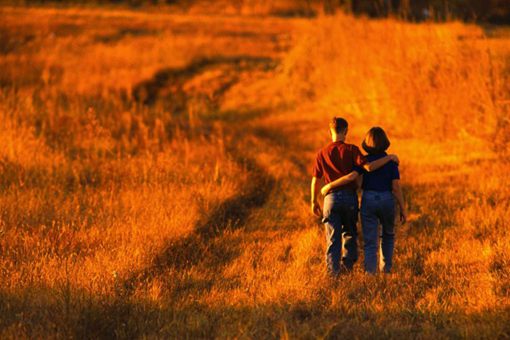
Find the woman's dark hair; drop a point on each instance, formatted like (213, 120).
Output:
(375, 141)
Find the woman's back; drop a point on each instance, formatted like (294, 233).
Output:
(382, 178)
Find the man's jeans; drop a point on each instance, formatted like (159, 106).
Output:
(378, 207)
(340, 215)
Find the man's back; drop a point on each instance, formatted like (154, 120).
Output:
(338, 159)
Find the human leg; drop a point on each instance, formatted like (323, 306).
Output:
(349, 214)
(332, 223)
(369, 225)
(387, 216)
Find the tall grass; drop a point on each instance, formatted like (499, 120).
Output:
(427, 80)
(188, 217)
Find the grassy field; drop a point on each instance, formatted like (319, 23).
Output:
(154, 174)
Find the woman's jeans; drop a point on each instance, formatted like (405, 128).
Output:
(340, 215)
(378, 207)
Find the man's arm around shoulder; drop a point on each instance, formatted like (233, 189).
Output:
(372, 166)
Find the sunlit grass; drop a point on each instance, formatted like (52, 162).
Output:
(154, 175)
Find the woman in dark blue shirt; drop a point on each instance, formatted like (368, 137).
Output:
(380, 189)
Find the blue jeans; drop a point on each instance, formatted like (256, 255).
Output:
(378, 207)
(340, 215)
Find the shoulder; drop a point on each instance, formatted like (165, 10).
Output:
(352, 147)
(326, 148)
(372, 158)
(319, 153)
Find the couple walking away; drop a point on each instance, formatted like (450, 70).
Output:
(344, 169)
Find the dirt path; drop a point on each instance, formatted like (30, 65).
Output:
(208, 247)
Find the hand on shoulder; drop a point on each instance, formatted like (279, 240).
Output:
(394, 158)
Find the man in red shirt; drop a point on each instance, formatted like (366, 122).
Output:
(340, 213)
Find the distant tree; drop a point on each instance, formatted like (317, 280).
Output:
(350, 6)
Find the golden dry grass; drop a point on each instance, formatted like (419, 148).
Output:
(154, 175)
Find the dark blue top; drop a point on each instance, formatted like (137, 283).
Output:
(380, 179)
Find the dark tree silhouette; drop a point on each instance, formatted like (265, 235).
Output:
(496, 11)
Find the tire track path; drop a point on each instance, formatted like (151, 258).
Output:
(201, 247)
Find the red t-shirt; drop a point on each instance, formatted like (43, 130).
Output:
(336, 160)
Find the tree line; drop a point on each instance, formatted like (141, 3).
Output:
(470, 10)
(496, 11)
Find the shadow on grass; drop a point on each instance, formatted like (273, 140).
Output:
(199, 246)
(167, 84)
(85, 316)
(123, 33)
(41, 312)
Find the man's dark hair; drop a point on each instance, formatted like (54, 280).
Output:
(338, 124)
(375, 141)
